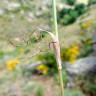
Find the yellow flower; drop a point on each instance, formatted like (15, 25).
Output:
(11, 64)
(43, 69)
(74, 50)
(75, 46)
(72, 53)
(86, 24)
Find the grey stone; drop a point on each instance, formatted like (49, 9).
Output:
(82, 66)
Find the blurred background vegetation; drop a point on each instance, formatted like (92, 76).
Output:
(27, 63)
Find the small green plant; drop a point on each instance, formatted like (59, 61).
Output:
(63, 12)
(81, 8)
(73, 13)
(69, 15)
(67, 20)
(49, 58)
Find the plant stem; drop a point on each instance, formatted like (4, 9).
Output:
(61, 82)
(55, 27)
(57, 46)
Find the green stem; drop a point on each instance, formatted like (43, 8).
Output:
(55, 27)
(61, 82)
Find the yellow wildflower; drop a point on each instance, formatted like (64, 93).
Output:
(86, 24)
(43, 69)
(11, 64)
(73, 52)
(73, 55)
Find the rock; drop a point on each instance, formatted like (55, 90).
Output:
(82, 66)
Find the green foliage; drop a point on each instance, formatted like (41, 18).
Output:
(73, 13)
(33, 40)
(70, 2)
(68, 16)
(68, 19)
(81, 8)
(92, 2)
(50, 60)
(62, 13)
(87, 48)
